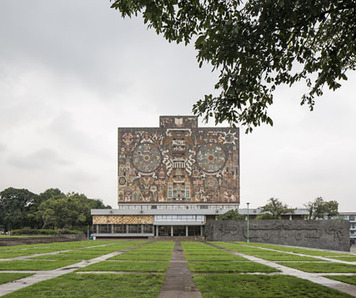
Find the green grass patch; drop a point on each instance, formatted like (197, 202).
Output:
(283, 257)
(349, 258)
(127, 266)
(343, 278)
(34, 265)
(8, 277)
(327, 267)
(209, 257)
(142, 257)
(237, 285)
(311, 252)
(229, 267)
(69, 256)
(96, 285)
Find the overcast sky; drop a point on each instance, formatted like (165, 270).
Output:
(71, 72)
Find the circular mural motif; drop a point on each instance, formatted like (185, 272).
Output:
(211, 183)
(210, 158)
(146, 158)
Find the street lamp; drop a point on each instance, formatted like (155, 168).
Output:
(248, 223)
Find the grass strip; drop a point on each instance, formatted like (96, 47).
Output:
(142, 257)
(237, 285)
(229, 267)
(34, 265)
(8, 277)
(133, 266)
(311, 252)
(96, 285)
(343, 278)
(322, 267)
(208, 257)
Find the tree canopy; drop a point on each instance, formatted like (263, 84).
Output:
(274, 209)
(20, 208)
(256, 46)
(231, 215)
(320, 209)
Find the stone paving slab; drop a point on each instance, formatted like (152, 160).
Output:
(316, 278)
(179, 281)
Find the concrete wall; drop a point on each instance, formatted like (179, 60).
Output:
(324, 234)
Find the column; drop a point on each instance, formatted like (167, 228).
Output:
(186, 231)
(171, 231)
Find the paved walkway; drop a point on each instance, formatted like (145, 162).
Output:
(179, 282)
(313, 277)
(45, 275)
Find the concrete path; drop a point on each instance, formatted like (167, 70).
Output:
(45, 275)
(313, 277)
(179, 282)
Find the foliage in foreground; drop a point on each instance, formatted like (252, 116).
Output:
(237, 285)
(257, 46)
(96, 285)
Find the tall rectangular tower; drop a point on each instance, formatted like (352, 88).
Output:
(178, 162)
(172, 179)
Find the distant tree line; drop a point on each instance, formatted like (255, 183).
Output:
(274, 209)
(52, 209)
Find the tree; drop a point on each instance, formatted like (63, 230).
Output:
(15, 207)
(319, 209)
(67, 211)
(231, 215)
(275, 208)
(257, 46)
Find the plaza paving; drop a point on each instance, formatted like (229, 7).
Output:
(178, 281)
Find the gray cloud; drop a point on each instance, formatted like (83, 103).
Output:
(73, 71)
(43, 159)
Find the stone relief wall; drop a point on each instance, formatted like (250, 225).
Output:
(122, 219)
(178, 162)
(324, 234)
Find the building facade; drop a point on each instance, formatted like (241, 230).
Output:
(351, 217)
(172, 179)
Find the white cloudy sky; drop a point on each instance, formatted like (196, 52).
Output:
(71, 72)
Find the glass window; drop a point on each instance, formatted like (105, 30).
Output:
(148, 228)
(103, 228)
(134, 228)
(352, 217)
(119, 228)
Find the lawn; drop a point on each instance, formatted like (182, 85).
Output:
(306, 251)
(349, 279)
(238, 285)
(34, 265)
(7, 277)
(95, 285)
(229, 267)
(127, 266)
(322, 267)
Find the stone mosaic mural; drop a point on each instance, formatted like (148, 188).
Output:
(178, 162)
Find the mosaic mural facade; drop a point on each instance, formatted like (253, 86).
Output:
(122, 219)
(178, 162)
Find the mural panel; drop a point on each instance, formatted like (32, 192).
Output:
(178, 162)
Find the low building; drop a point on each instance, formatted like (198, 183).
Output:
(351, 217)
